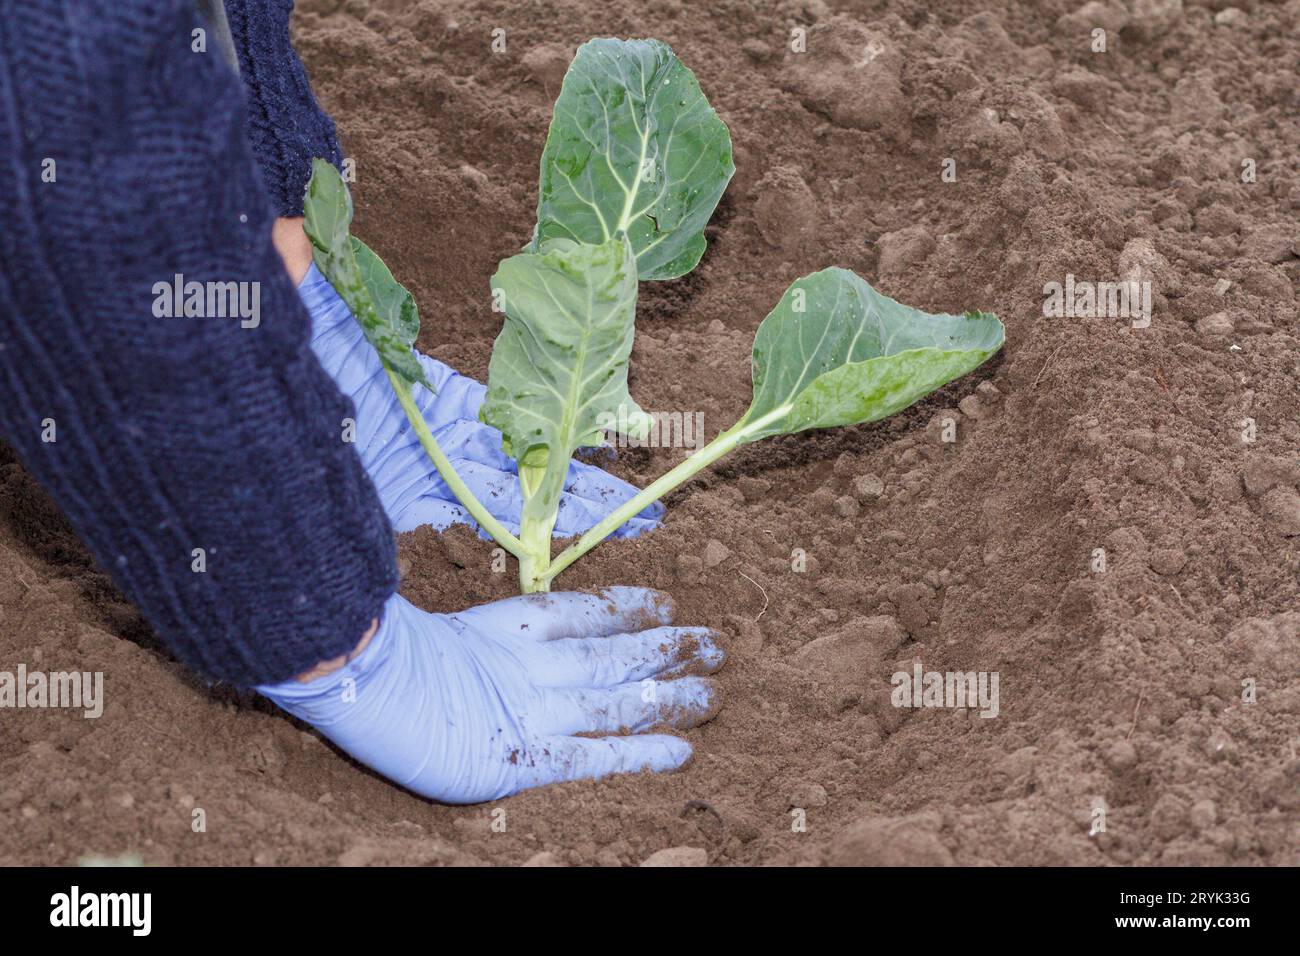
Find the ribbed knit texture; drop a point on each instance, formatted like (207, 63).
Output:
(286, 126)
(171, 433)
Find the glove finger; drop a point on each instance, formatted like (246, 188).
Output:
(470, 439)
(500, 493)
(634, 706)
(575, 515)
(434, 512)
(571, 614)
(557, 759)
(619, 658)
(591, 493)
(411, 495)
(417, 496)
(498, 490)
(453, 396)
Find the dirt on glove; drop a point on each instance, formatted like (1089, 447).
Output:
(1105, 518)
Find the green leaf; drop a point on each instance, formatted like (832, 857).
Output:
(558, 371)
(634, 149)
(837, 352)
(383, 308)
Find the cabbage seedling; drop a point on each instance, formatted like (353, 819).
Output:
(634, 164)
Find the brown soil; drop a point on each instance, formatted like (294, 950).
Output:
(1123, 686)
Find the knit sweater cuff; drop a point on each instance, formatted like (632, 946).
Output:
(286, 126)
(194, 440)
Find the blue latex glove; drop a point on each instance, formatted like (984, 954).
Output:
(477, 705)
(412, 492)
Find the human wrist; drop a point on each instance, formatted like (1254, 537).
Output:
(291, 242)
(330, 666)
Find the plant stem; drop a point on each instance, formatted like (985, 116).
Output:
(541, 490)
(725, 443)
(536, 558)
(448, 472)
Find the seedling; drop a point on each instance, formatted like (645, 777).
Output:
(633, 167)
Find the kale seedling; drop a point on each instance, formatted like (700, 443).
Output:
(634, 164)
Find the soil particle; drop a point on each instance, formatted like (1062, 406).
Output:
(1273, 243)
(1111, 17)
(1281, 508)
(785, 210)
(715, 552)
(891, 841)
(850, 73)
(689, 568)
(1204, 814)
(1219, 324)
(971, 407)
(1121, 756)
(678, 856)
(848, 653)
(1140, 262)
(543, 858)
(1263, 472)
(1169, 817)
(546, 64)
(808, 795)
(1217, 219)
(868, 487)
(1168, 561)
(847, 506)
(904, 250)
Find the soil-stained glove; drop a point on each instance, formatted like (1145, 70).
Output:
(409, 486)
(477, 705)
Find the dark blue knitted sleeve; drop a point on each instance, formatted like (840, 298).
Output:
(286, 127)
(200, 454)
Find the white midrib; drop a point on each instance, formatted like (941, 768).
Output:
(575, 383)
(630, 203)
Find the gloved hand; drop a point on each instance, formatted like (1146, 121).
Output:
(412, 492)
(480, 704)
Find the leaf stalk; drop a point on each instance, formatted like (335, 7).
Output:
(724, 444)
(448, 471)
